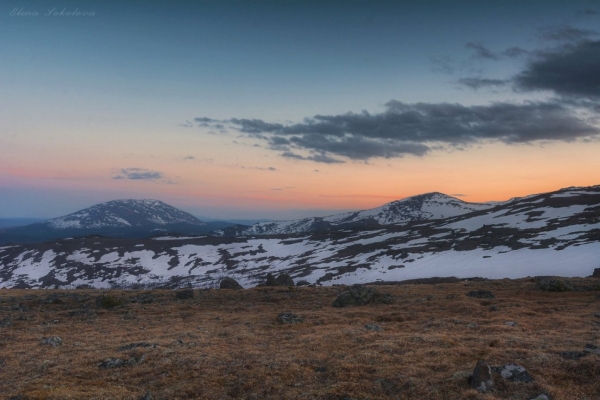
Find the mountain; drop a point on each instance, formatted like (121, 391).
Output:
(555, 233)
(118, 218)
(422, 207)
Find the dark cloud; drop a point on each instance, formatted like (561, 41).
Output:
(416, 129)
(481, 51)
(571, 70)
(478, 83)
(138, 174)
(567, 33)
(513, 52)
(189, 158)
(590, 12)
(458, 195)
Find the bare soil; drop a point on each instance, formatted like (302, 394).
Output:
(225, 344)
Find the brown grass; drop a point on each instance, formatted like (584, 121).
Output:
(226, 344)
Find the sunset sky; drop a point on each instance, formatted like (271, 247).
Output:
(288, 109)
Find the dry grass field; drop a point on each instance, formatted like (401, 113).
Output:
(225, 344)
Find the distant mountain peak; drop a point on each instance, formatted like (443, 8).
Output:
(123, 214)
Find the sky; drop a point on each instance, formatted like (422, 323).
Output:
(290, 109)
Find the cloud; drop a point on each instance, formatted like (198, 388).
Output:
(189, 158)
(478, 83)
(417, 129)
(458, 195)
(513, 52)
(570, 70)
(567, 33)
(481, 51)
(590, 12)
(138, 174)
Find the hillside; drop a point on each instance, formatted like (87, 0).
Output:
(555, 233)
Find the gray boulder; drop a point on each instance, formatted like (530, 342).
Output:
(287, 317)
(514, 373)
(230, 283)
(282, 279)
(596, 273)
(53, 341)
(481, 380)
(360, 295)
(5, 323)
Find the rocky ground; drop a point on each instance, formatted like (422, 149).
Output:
(537, 338)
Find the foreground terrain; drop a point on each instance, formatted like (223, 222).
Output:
(226, 344)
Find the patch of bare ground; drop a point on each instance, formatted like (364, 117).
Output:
(226, 344)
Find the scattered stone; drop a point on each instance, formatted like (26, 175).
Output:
(108, 301)
(371, 326)
(359, 295)
(554, 285)
(142, 298)
(513, 373)
(590, 348)
(132, 346)
(472, 326)
(282, 279)
(451, 297)
(287, 317)
(481, 379)
(541, 397)
(184, 294)
(597, 315)
(53, 341)
(147, 396)
(596, 273)
(119, 362)
(230, 283)
(5, 323)
(481, 294)
(460, 375)
(493, 308)
(572, 355)
(511, 323)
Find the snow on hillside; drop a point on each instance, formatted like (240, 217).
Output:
(123, 213)
(546, 234)
(423, 207)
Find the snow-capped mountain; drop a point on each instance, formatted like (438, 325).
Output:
(555, 233)
(124, 213)
(118, 218)
(426, 206)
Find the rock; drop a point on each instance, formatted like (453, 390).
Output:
(5, 323)
(597, 315)
(514, 373)
(147, 396)
(572, 355)
(303, 282)
(53, 341)
(119, 362)
(554, 285)
(371, 326)
(282, 280)
(481, 294)
(511, 323)
(481, 380)
(230, 283)
(596, 273)
(359, 295)
(287, 317)
(493, 308)
(590, 348)
(541, 397)
(132, 346)
(184, 294)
